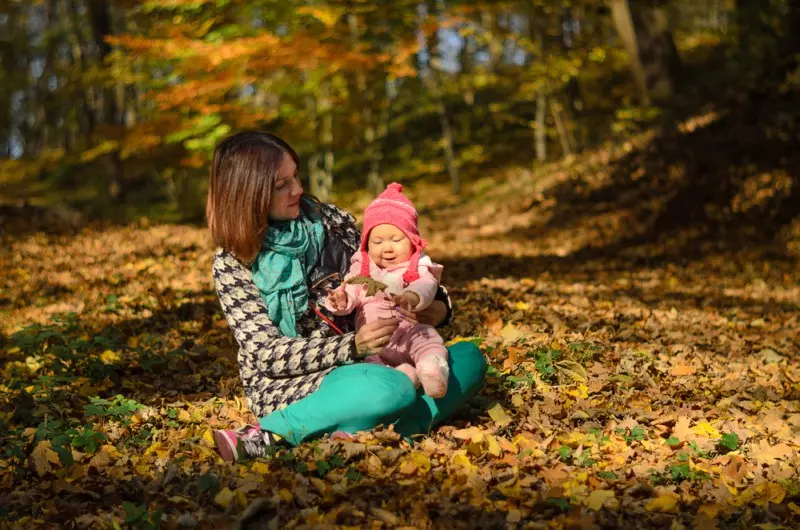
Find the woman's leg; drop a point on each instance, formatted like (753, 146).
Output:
(467, 371)
(351, 398)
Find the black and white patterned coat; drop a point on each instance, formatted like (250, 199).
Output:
(278, 370)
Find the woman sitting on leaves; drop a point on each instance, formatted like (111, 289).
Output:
(281, 252)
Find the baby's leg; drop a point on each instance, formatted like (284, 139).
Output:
(411, 372)
(430, 358)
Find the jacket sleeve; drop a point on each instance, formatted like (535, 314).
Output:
(425, 287)
(273, 353)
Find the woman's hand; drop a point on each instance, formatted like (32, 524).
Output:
(372, 337)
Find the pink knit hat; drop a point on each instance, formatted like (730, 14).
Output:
(393, 208)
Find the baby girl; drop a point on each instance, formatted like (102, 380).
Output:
(391, 270)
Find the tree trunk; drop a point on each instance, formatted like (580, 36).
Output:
(645, 31)
(539, 134)
(430, 78)
(563, 135)
(373, 148)
(325, 109)
(108, 110)
(623, 20)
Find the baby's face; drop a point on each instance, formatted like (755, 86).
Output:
(388, 245)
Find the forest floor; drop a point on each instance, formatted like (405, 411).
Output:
(638, 307)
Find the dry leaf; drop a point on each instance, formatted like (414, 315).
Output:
(43, 458)
(599, 498)
(499, 415)
(665, 502)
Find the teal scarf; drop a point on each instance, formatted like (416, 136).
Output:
(290, 251)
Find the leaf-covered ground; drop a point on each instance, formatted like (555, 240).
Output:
(641, 327)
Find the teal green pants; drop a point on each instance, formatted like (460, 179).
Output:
(359, 397)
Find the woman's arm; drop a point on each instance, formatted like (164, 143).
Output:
(274, 354)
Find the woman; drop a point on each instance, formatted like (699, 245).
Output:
(280, 252)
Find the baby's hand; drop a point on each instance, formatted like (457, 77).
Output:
(337, 298)
(407, 300)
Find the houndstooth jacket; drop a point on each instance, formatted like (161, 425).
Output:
(278, 370)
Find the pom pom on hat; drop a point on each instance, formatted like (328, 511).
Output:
(393, 208)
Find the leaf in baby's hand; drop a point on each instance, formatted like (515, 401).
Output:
(373, 286)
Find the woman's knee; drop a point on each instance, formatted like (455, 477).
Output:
(383, 391)
(467, 364)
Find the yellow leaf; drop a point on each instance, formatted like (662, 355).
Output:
(456, 340)
(511, 333)
(208, 439)
(260, 467)
(473, 434)
(241, 498)
(224, 497)
(573, 370)
(493, 446)
(326, 15)
(599, 498)
(414, 462)
(510, 488)
(666, 502)
(100, 460)
(522, 306)
(461, 462)
(285, 495)
(42, 457)
(683, 369)
(706, 429)
(794, 507)
(499, 415)
(110, 357)
(517, 401)
(710, 510)
(581, 391)
(767, 492)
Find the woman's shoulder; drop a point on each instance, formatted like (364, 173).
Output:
(226, 263)
(333, 215)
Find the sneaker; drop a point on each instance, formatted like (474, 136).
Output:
(250, 441)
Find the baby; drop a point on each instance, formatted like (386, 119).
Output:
(391, 269)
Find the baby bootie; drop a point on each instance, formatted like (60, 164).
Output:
(433, 373)
(411, 372)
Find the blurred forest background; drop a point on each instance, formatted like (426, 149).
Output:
(111, 108)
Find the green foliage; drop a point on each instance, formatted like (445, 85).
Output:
(729, 441)
(545, 363)
(637, 434)
(140, 518)
(118, 408)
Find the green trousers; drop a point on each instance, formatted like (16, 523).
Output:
(359, 397)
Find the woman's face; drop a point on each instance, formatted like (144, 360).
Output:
(284, 204)
(388, 245)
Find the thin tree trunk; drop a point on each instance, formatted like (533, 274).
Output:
(315, 158)
(430, 76)
(108, 108)
(623, 20)
(374, 154)
(645, 30)
(325, 108)
(563, 136)
(540, 138)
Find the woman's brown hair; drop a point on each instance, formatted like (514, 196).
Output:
(243, 173)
